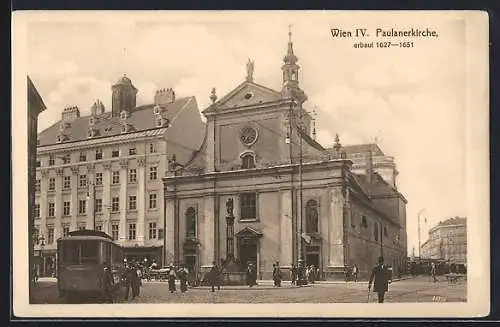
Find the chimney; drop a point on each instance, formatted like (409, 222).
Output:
(69, 114)
(164, 97)
(369, 166)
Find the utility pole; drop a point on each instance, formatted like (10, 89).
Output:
(418, 220)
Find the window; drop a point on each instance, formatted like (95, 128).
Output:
(132, 202)
(114, 232)
(36, 236)
(67, 182)
(353, 220)
(160, 233)
(36, 211)
(363, 221)
(159, 122)
(98, 178)
(248, 161)
(38, 163)
(51, 209)
(37, 185)
(98, 154)
(66, 159)
(153, 173)
(50, 232)
(152, 201)
(190, 222)
(116, 177)
(115, 204)
(65, 231)
(385, 231)
(115, 153)
(132, 151)
(375, 231)
(82, 207)
(83, 156)
(152, 148)
(52, 184)
(81, 227)
(248, 208)
(132, 176)
(311, 217)
(98, 205)
(90, 251)
(82, 180)
(131, 231)
(98, 228)
(67, 208)
(52, 160)
(152, 231)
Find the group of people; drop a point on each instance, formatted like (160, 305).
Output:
(351, 273)
(302, 275)
(180, 273)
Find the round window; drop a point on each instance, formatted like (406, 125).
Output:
(248, 96)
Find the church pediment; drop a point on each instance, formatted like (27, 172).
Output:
(246, 94)
(249, 232)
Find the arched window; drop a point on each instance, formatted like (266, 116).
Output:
(247, 161)
(375, 230)
(311, 217)
(190, 222)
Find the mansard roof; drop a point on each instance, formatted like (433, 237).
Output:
(141, 118)
(363, 148)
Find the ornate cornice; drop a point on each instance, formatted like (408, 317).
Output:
(59, 171)
(90, 167)
(44, 172)
(124, 164)
(75, 170)
(107, 165)
(141, 162)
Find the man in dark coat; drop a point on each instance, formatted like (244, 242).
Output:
(108, 283)
(130, 280)
(215, 276)
(277, 274)
(183, 277)
(171, 279)
(381, 278)
(136, 285)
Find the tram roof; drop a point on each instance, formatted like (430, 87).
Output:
(86, 234)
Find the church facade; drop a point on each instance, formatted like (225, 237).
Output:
(291, 198)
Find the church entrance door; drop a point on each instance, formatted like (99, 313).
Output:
(247, 252)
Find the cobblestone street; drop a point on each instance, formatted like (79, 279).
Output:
(420, 289)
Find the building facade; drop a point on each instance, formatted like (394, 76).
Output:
(447, 241)
(291, 198)
(103, 171)
(35, 107)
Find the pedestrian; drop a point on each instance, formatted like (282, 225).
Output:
(214, 276)
(312, 274)
(171, 279)
(130, 280)
(355, 272)
(108, 283)
(183, 276)
(380, 278)
(293, 275)
(137, 280)
(276, 275)
(280, 277)
(433, 272)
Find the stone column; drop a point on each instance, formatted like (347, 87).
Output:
(106, 194)
(229, 231)
(91, 198)
(336, 228)
(74, 198)
(169, 233)
(58, 204)
(123, 200)
(286, 229)
(44, 186)
(207, 243)
(141, 199)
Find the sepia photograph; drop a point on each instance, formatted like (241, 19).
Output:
(329, 163)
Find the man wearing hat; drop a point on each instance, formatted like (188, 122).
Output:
(381, 278)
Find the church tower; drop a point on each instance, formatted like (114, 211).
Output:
(124, 96)
(291, 74)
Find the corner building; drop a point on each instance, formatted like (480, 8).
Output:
(103, 171)
(293, 198)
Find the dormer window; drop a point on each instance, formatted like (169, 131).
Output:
(159, 122)
(156, 110)
(91, 121)
(91, 132)
(248, 161)
(60, 138)
(123, 115)
(124, 128)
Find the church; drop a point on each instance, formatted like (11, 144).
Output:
(261, 189)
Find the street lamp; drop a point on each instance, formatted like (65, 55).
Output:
(42, 246)
(418, 219)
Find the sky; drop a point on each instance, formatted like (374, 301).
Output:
(410, 100)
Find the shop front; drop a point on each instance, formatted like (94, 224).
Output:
(143, 254)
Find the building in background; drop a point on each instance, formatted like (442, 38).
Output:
(447, 241)
(103, 171)
(35, 107)
(292, 198)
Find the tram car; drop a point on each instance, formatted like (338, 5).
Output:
(81, 258)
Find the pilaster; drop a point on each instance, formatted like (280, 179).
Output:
(91, 198)
(208, 242)
(44, 186)
(74, 198)
(141, 200)
(123, 200)
(336, 228)
(286, 229)
(106, 194)
(58, 203)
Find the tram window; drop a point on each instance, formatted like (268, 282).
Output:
(70, 253)
(89, 251)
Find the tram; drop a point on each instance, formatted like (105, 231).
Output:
(81, 258)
